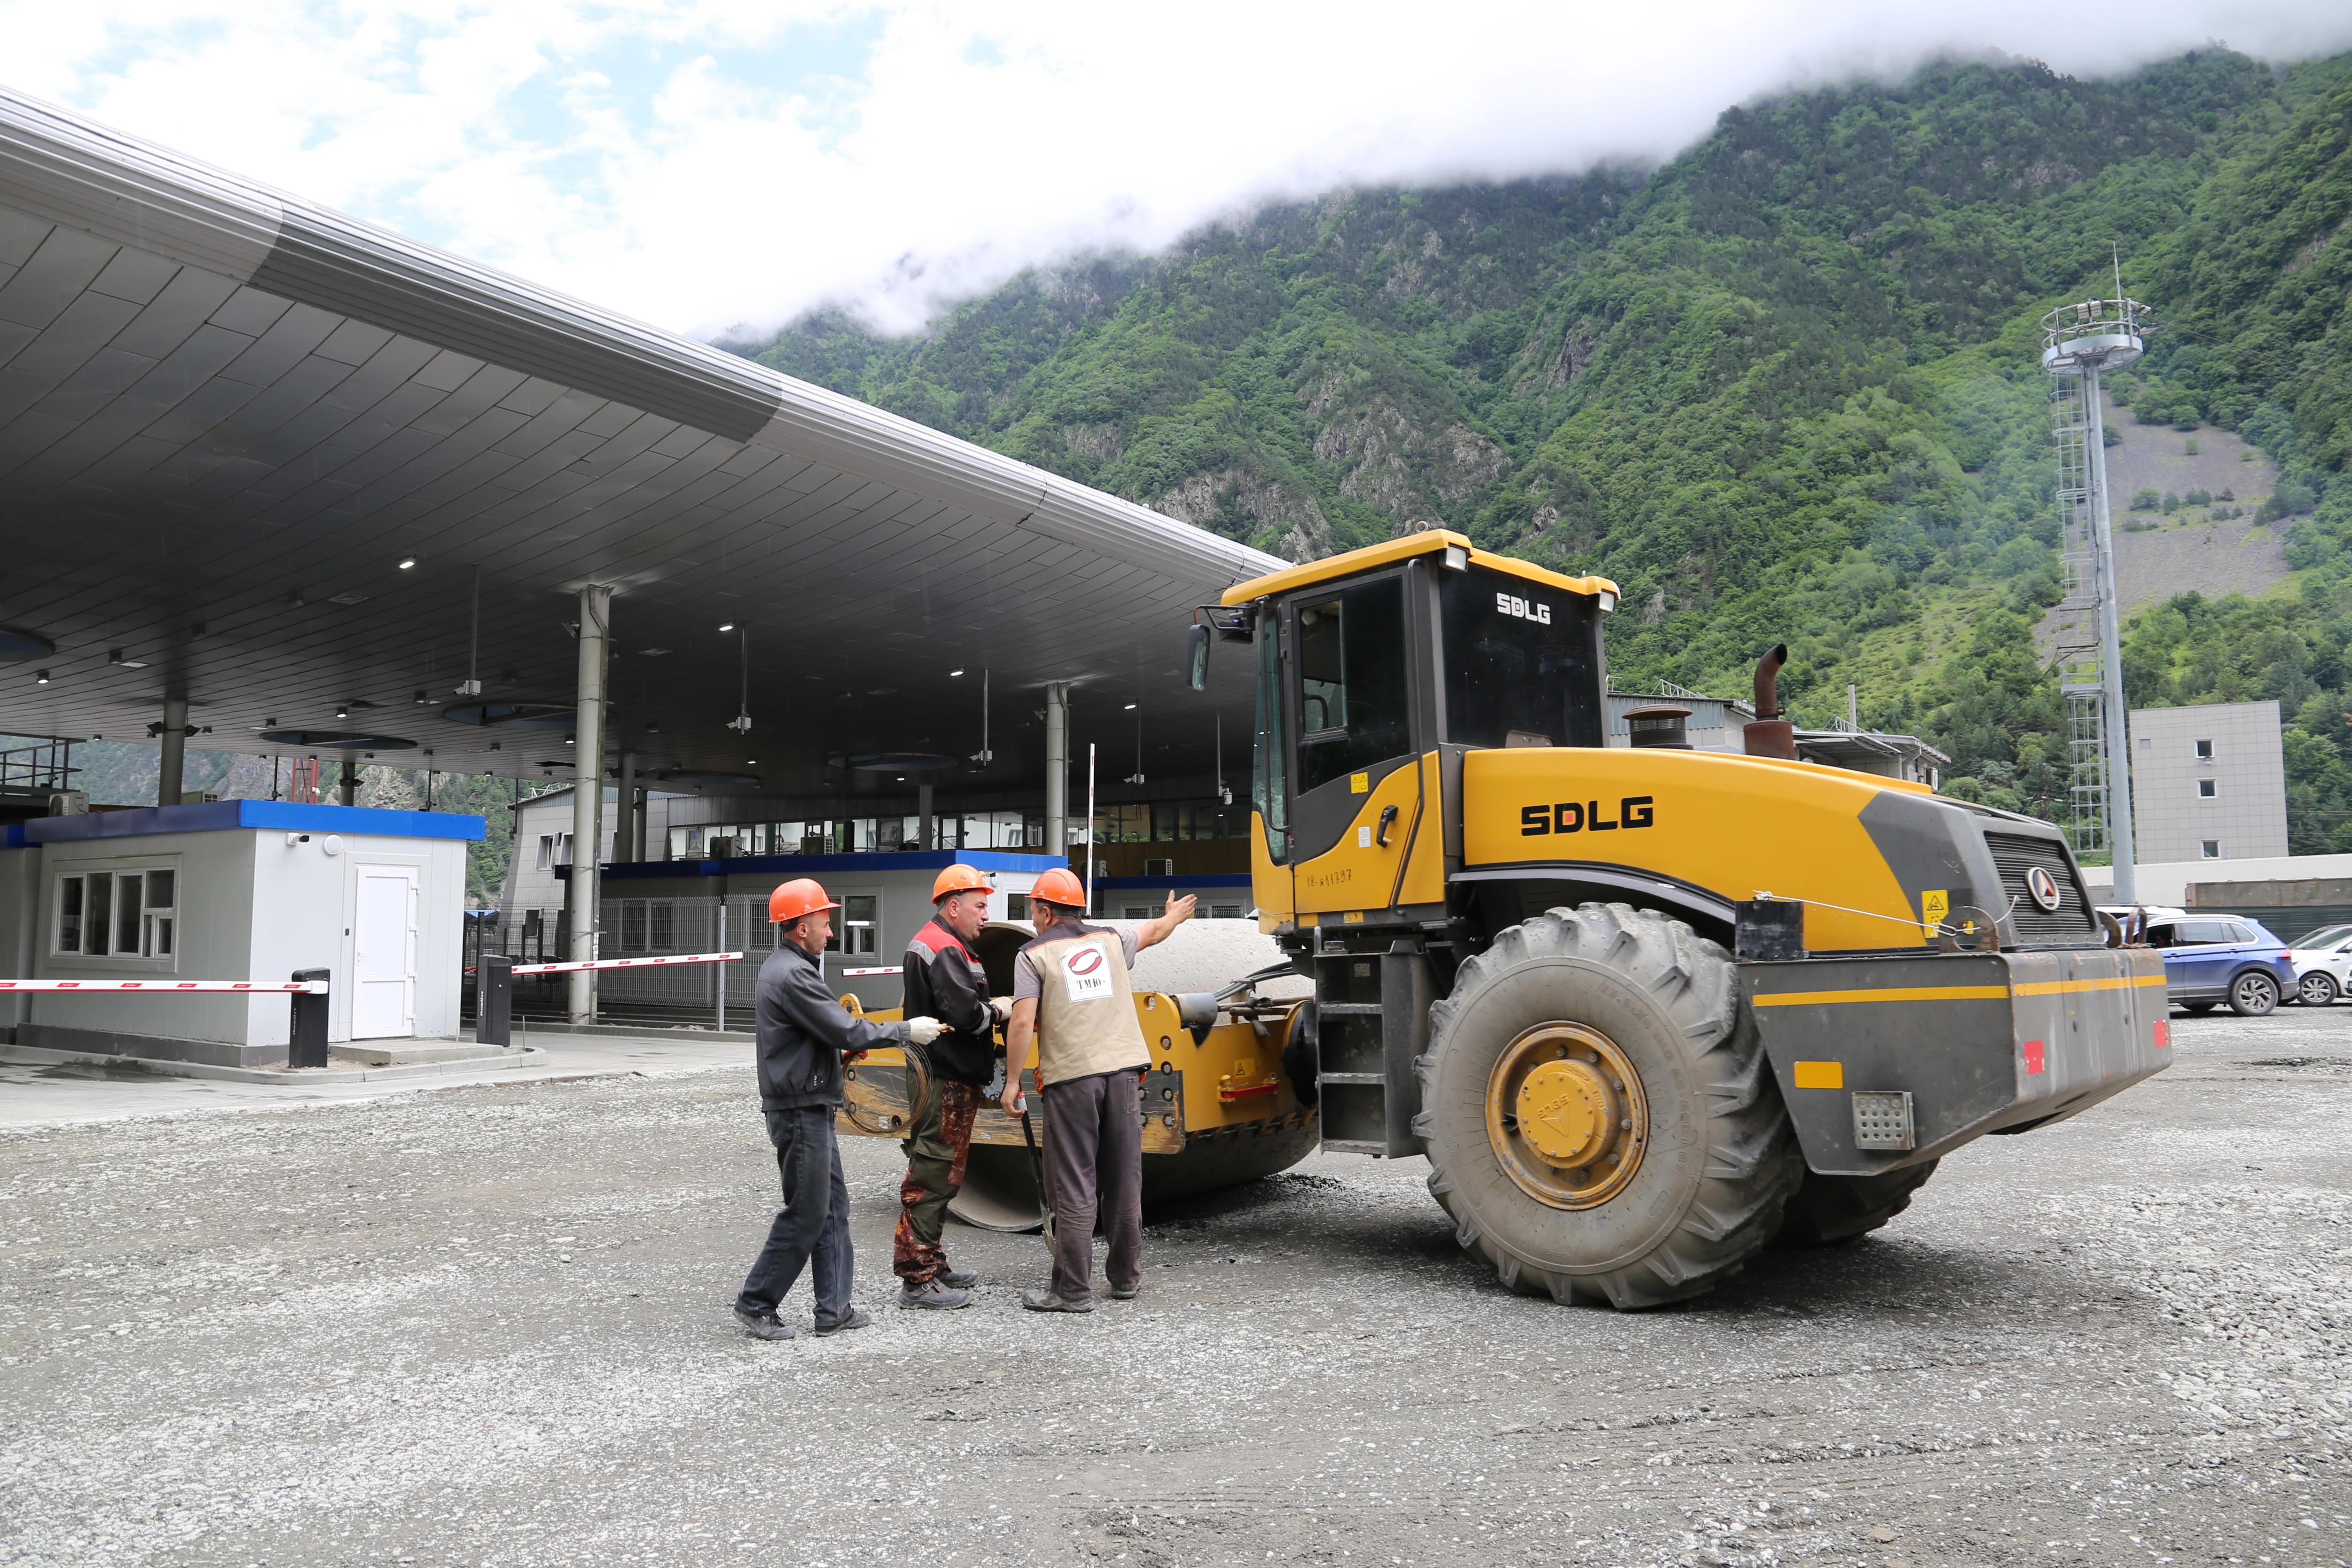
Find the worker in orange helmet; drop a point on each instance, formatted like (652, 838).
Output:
(1070, 993)
(942, 977)
(804, 1033)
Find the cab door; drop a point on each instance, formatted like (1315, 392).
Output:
(1355, 690)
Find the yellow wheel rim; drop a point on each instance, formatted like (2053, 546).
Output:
(1566, 1115)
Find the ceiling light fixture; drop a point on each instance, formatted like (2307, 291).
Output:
(341, 711)
(406, 562)
(40, 678)
(728, 627)
(954, 672)
(1131, 708)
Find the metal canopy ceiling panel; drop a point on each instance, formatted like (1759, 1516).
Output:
(228, 417)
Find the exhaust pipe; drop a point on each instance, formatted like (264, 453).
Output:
(1768, 734)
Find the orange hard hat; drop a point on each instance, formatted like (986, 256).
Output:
(958, 878)
(802, 895)
(1060, 887)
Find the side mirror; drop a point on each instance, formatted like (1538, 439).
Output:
(1196, 670)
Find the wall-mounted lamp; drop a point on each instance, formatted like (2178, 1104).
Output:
(40, 678)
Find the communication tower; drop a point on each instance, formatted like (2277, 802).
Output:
(2079, 343)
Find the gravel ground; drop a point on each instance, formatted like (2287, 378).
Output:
(488, 1326)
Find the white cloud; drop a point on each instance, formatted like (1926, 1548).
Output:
(706, 163)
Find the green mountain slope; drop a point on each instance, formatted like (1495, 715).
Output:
(1784, 388)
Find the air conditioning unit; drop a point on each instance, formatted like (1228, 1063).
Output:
(1159, 867)
(69, 803)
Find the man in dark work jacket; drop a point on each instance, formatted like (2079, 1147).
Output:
(804, 1033)
(942, 979)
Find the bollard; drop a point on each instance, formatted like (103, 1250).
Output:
(306, 1045)
(494, 1000)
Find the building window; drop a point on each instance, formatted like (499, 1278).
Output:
(2211, 848)
(2204, 750)
(859, 933)
(119, 914)
(547, 852)
(1225, 912)
(1016, 906)
(2205, 789)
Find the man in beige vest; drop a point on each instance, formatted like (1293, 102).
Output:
(1070, 993)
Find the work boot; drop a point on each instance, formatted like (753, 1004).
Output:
(857, 1319)
(957, 1278)
(763, 1325)
(1046, 1301)
(933, 1292)
(1126, 1292)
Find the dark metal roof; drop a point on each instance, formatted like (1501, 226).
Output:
(226, 415)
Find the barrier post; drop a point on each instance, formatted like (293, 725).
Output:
(494, 1000)
(306, 1044)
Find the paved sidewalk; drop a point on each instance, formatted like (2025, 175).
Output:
(35, 1095)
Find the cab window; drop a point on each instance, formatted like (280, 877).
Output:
(1352, 708)
(1269, 790)
(1522, 662)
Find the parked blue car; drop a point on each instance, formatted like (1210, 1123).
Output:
(2212, 959)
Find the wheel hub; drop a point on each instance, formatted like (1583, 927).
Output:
(1566, 1115)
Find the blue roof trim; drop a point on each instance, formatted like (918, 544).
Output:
(816, 864)
(221, 816)
(13, 838)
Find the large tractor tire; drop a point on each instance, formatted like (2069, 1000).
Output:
(1825, 1211)
(1599, 1115)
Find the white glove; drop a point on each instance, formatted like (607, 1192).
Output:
(1003, 1007)
(923, 1031)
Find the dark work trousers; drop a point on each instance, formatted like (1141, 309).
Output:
(1094, 1152)
(813, 1227)
(937, 1145)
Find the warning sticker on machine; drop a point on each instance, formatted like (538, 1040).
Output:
(1933, 907)
(1086, 975)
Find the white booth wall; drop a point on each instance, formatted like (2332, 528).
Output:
(261, 889)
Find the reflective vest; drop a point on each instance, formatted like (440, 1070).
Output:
(1086, 1014)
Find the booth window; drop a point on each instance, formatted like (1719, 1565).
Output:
(859, 934)
(119, 914)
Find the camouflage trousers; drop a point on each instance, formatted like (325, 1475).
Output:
(936, 1145)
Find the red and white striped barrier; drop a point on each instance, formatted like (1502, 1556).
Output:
(855, 974)
(301, 987)
(625, 962)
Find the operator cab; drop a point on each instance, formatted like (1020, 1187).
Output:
(1367, 663)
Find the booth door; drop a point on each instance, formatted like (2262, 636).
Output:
(383, 954)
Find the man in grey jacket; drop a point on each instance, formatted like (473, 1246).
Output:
(804, 1035)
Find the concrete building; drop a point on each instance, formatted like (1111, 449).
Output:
(2209, 783)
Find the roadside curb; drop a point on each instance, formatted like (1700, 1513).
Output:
(109, 1065)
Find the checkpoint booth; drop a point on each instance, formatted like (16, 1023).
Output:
(651, 908)
(233, 890)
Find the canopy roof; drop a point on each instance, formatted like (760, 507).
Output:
(227, 415)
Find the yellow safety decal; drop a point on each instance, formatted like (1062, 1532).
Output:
(1934, 905)
(1904, 993)
(1359, 783)
(1818, 1075)
(1353, 918)
(2069, 987)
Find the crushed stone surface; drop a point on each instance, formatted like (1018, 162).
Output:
(488, 1326)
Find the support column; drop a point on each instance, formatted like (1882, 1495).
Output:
(175, 750)
(1058, 767)
(624, 847)
(348, 791)
(2113, 715)
(588, 794)
(930, 839)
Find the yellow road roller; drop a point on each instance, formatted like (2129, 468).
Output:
(1646, 1009)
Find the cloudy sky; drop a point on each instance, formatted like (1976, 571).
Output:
(708, 163)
